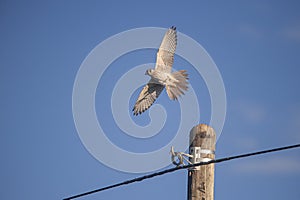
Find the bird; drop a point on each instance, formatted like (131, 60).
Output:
(176, 83)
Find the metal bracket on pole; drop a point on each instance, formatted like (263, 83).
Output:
(196, 157)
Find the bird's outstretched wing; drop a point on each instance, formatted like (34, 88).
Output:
(165, 54)
(147, 97)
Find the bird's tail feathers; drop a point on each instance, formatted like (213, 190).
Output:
(178, 86)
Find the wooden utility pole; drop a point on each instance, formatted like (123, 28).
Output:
(201, 178)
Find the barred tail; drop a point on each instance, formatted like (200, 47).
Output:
(178, 84)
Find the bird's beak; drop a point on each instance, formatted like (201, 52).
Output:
(145, 72)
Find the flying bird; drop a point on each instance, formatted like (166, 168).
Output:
(162, 76)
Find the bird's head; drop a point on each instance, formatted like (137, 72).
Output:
(149, 72)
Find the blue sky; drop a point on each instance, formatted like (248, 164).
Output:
(255, 45)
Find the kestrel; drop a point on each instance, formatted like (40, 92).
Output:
(162, 75)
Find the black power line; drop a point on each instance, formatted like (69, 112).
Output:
(182, 167)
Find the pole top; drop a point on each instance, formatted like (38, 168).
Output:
(204, 130)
